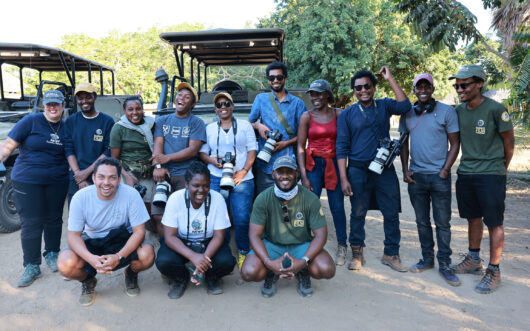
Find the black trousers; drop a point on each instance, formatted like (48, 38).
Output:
(40, 207)
(173, 265)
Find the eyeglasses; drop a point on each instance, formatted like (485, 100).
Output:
(271, 78)
(463, 86)
(286, 218)
(221, 104)
(359, 88)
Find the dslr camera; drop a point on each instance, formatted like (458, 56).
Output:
(227, 178)
(141, 189)
(161, 194)
(272, 138)
(386, 153)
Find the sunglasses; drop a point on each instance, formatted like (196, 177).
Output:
(271, 78)
(286, 218)
(463, 86)
(359, 88)
(221, 104)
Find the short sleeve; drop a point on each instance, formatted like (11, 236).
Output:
(22, 129)
(220, 217)
(259, 210)
(252, 143)
(502, 118)
(403, 124)
(76, 219)
(115, 136)
(198, 129)
(317, 219)
(137, 212)
(171, 213)
(159, 123)
(452, 121)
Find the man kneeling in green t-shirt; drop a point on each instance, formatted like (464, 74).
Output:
(287, 233)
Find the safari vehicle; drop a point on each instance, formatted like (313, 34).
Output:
(220, 47)
(15, 106)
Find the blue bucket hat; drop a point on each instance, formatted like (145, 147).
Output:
(52, 96)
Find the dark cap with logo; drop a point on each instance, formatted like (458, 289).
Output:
(52, 96)
(284, 161)
(321, 85)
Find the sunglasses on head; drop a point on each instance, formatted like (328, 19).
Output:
(286, 218)
(278, 77)
(463, 86)
(224, 103)
(359, 88)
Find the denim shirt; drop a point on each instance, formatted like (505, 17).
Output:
(291, 107)
(355, 137)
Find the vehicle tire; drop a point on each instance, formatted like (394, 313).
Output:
(9, 220)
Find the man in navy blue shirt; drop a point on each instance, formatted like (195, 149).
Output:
(291, 108)
(87, 137)
(360, 128)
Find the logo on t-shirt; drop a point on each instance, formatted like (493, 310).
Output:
(99, 135)
(196, 226)
(165, 129)
(54, 139)
(505, 116)
(175, 131)
(480, 129)
(299, 221)
(185, 132)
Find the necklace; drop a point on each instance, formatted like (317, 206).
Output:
(55, 132)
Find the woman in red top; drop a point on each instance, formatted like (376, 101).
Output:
(317, 133)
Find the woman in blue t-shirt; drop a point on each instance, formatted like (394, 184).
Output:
(40, 183)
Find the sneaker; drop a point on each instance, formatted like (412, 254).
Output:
(490, 281)
(468, 266)
(394, 262)
(131, 282)
(88, 291)
(422, 265)
(304, 284)
(269, 285)
(240, 260)
(357, 258)
(449, 276)
(340, 258)
(51, 261)
(177, 288)
(213, 286)
(31, 273)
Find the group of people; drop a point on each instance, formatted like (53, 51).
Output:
(111, 172)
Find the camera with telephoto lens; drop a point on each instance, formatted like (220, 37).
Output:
(227, 178)
(386, 153)
(272, 138)
(161, 194)
(141, 189)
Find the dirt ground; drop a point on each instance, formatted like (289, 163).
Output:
(374, 298)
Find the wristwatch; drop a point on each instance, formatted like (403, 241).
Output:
(120, 258)
(158, 166)
(306, 259)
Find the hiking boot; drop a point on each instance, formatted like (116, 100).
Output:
(269, 285)
(304, 283)
(422, 265)
(31, 273)
(449, 276)
(131, 282)
(394, 262)
(240, 260)
(88, 291)
(177, 288)
(357, 258)
(468, 266)
(340, 257)
(51, 261)
(213, 286)
(490, 281)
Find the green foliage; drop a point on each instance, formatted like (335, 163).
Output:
(477, 53)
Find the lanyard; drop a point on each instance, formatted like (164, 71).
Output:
(419, 119)
(234, 131)
(371, 123)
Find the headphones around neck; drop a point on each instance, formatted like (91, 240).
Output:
(420, 108)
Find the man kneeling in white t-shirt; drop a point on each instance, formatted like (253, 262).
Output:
(195, 221)
(106, 232)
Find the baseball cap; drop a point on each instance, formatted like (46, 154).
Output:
(85, 87)
(52, 96)
(321, 85)
(470, 70)
(222, 94)
(421, 76)
(284, 161)
(189, 87)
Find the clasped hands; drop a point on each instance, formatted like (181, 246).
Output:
(276, 266)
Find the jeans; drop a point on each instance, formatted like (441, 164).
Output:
(430, 187)
(364, 184)
(40, 207)
(263, 180)
(173, 265)
(335, 197)
(239, 203)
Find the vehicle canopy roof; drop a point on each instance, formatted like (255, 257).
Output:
(219, 47)
(44, 58)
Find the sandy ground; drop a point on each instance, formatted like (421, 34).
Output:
(374, 298)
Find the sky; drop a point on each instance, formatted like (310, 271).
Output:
(44, 22)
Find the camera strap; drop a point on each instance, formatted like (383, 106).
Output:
(373, 126)
(206, 212)
(234, 131)
(280, 116)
